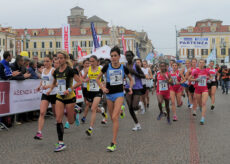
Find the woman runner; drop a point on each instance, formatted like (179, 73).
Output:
(115, 73)
(94, 91)
(66, 98)
(45, 84)
(133, 99)
(201, 76)
(176, 89)
(212, 84)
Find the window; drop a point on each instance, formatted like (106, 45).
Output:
(0, 41)
(213, 41)
(43, 44)
(27, 45)
(72, 43)
(35, 54)
(222, 61)
(229, 52)
(58, 44)
(51, 44)
(83, 43)
(106, 42)
(223, 51)
(101, 43)
(204, 51)
(190, 53)
(3, 42)
(35, 44)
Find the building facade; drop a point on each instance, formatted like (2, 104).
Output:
(7, 39)
(39, 42)
(199, 41)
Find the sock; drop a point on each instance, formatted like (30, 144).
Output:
(40, 132)
(60, 131)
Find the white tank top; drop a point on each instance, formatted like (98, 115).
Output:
(48, 80)
(146, 81)
(84, 84)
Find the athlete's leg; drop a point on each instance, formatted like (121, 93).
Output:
(94, 108)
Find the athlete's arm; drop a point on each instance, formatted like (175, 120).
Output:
(100, 84)
(131, 84)
(139, 73)
(150, 73)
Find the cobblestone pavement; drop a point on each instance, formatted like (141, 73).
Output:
(182, 142)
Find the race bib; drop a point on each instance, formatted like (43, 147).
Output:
(163, 85)
(174, 80)
(84, 85)
(213, 76)
(115, 77)
(202, 81)
(45, 80)
(61, 86)
(93, 85)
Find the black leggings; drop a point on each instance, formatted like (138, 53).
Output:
(132, 102)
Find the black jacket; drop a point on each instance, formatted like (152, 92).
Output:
(14, 66)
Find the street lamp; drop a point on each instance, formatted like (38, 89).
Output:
(25, 36)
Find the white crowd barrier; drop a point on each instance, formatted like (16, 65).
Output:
(21, 96)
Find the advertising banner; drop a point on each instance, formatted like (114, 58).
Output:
(66, 37)
(193, 42)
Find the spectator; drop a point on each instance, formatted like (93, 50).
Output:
(18, 65)
(225, 80)
(6, 72)
(40, 67)
(26, 62)
(32, 69)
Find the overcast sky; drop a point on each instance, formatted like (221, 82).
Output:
(157, 17)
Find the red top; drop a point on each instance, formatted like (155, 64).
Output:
(162, 84)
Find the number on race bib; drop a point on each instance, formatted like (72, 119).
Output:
(163, 85)
(93, 85)
(203, 81)
(61, 86)
(174, 79)
(45, 80)
(115, 77)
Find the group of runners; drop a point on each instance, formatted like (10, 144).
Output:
(107, 86)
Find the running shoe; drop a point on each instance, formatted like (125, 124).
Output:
(191, 105)
(136, 127)
(104, 121)
(212, 107)
(122, 115)
(143, 111)
(83, 119)
(38, 136)
(111, 148)
(89, 132)
(175, 118)
(77, 121)
(194, 113)
(67, 126)
(165, 113)
(202, 121)
(59, 147)
(168, 120)
(160, 116)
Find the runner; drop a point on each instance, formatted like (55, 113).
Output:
(94, 91)
(149, 77)
(162, 81)
(212, 84)
(142, 102)
(115, 73)
(66, 99)
(176, 89)
(133, 99)
(185, 84)
(192, 99)
(45, 85)
(201, 76)
(86, 65)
